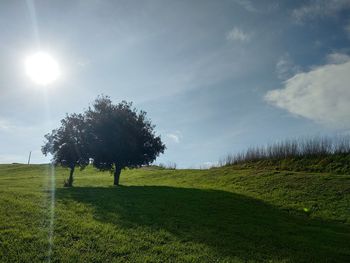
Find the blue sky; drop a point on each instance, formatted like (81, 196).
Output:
(214, 76)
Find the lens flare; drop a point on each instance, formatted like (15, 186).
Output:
(52, 187)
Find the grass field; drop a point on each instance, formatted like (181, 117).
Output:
(218, 215)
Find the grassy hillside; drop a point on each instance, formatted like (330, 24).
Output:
(229, 214)
(331, 163)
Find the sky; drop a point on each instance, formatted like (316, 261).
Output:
(215, 77)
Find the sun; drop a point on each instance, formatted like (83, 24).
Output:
(42, 68)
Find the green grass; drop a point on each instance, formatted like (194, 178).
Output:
(331, 163)
(225, 214)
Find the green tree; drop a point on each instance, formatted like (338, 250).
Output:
(68, 144)
(120, 136)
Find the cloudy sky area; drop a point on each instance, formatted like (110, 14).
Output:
(214, 76)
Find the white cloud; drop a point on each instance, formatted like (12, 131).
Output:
(247, 5)
(9, 126)
(322, 94)
(337, 58)
(257, 6)
(237, 34)
(347, 30)
(174, 137)
(5, 125)
(318, 9)
(285, 67)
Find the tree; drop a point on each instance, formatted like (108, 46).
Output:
(68, 144)
(120, 136)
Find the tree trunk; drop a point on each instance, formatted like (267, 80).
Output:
(70, 178)
(117, 172)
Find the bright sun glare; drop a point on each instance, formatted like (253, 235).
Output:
(42, 68)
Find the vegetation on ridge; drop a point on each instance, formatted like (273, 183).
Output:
(314, 154)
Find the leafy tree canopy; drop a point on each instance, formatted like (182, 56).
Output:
(120, 136)
(115, 136)
(68, 144)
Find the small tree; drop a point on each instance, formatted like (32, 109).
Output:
(68, 144)
(120, 137)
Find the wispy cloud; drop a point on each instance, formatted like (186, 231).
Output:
(318, 9)
(337, 58)
(347, 30)
(285, 67)
(247, 5)
(174, 136)
(257, 6)
(5, 125)
(321, 94)
(237, 34)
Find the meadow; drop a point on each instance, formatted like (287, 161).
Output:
(227, 214)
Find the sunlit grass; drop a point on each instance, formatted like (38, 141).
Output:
(218, 215)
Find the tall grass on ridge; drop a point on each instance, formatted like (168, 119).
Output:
(310, 147)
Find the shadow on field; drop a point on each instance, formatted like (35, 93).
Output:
(230, 224)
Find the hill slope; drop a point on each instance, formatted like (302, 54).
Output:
(225, 214)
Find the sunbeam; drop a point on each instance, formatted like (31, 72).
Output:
(52, 191)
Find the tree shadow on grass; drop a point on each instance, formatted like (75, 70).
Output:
(232, 225)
